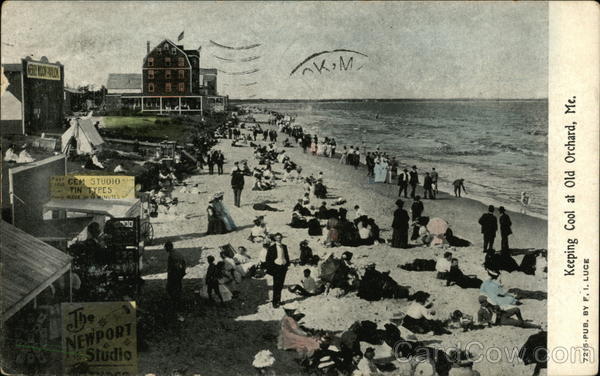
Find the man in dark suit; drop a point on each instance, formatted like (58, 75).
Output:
(277, 263)
(237, 184)
(428, 187)
(403, 178)
(505, 230)
(489, 227)
(417, 208)
(413, 181)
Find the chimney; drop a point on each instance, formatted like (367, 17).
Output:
(147, 47)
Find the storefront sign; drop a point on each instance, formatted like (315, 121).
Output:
(92, 186)
(99, 338)
(43, 71)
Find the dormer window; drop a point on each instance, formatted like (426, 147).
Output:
(150, 61)
(166, 46)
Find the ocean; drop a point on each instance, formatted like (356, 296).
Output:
(500, 148)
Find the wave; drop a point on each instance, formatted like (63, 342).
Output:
(447, 149)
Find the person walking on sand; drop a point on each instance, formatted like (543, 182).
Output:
(505, 230)
(434, 181)
(525, 201)
(237, 184)
(459, 184)
(400, 226)
(413, 181)
(489, 227)
(220, 161)
(428, 187)
(417, 208)
(175, 272)
(277, 263)
(403, 178)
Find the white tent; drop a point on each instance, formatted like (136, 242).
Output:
(85, 135)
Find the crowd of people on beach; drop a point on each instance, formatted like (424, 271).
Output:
(331, 224)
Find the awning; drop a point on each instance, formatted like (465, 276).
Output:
(28, 267)
(112, 208)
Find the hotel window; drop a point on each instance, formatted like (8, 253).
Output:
(168, 74)
(173, 51)
(150, 61)
(168, 61)
(166, 46)
(181, 62)
(168, 87)
(181, 87)
(150, 74)
(151, 87)
(181, 73)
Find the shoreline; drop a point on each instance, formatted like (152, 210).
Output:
(504, 195)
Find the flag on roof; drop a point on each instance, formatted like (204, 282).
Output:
(180, 37)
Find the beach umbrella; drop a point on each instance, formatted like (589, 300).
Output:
(437, 226)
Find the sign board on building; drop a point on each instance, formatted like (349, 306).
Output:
(99, 338)
(43, 71)
(72, 187)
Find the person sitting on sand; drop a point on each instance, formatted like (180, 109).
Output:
(490, 314)
(259, 232)
(347, 231)
(298, 221)
(292, 337)
(230, 268)
(308, 286)
(333, 231)
(243, 261)
(493, 289)
(306, 254)
(456, 276)
(365, 234)
(301, 209)
(420, 318)
(462, 364)
(442, 265)
(320, 189)
(323, 211)
(375, 232)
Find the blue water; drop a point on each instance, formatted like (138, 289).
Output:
(498, 147)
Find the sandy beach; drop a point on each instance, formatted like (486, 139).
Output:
(223, 340)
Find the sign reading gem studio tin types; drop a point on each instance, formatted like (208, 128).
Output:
(43, 71)
(92, 186)
(99, 338)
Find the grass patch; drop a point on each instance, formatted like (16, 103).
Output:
(143, 127)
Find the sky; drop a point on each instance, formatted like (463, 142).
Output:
(407, 49)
